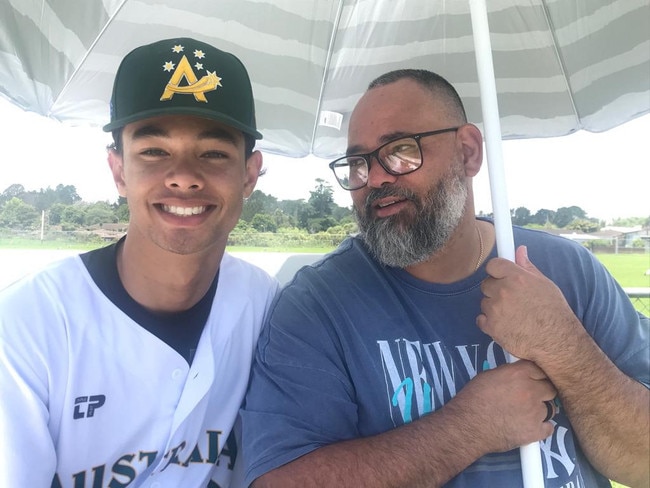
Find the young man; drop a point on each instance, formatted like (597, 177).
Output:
(384, 365)
(127, 365)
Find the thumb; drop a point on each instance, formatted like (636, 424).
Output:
(521, 258)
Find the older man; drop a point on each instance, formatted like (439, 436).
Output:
(384, 365)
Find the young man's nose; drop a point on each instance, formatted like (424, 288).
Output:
(184, 175)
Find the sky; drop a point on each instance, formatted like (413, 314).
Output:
(606, 174)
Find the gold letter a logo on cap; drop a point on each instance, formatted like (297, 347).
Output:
(195, 86)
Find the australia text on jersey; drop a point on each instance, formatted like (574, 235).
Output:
(127, 467)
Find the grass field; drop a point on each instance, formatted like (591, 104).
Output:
(628, 269)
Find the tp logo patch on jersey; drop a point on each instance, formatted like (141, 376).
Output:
(85, 406)
(191, 84)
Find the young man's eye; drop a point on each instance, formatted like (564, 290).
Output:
(153, 152)
(216, 155)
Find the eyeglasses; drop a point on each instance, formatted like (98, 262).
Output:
(398, 157)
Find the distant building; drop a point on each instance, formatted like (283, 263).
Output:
(609, 239)
(625, 237)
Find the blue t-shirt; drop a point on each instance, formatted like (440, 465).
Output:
(354, 348)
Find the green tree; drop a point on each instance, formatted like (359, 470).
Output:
(43, 199)
(585, 226)
(99, 213)
(55, 213)
(305, 215)
(292, 209)
(320, 224)
(321, 199)
(565, 215)
(121, 210)
(242, 226)
(67, 194)
(283, 220)
(259, 202)
(521, 216)
(74, 214)
(264, 223)
(632, 222)
(342, 214)
(15, 190)
(16, 214)
(34, 198)
(542, 217)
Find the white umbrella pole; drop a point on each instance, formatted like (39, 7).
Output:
(531, 459)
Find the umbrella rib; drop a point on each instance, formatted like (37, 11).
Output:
(330, 49)
(560, 59)
(88, 51)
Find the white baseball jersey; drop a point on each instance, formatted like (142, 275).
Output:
(90, 399)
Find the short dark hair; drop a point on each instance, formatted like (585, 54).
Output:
(249, 142)
(436, 84)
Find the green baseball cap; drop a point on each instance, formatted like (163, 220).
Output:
(183, 76)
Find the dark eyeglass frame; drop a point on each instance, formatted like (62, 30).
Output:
(368, 157)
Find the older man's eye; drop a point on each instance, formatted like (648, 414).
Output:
(406, 148)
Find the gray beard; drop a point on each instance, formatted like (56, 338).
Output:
(406, 239)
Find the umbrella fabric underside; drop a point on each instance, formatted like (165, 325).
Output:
(560, 65)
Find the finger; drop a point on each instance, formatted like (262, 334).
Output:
(493, 288)
(534, 372)
(499, 268)
(488, 286)
(481, 321)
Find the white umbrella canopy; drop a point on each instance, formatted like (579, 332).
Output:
(560, 65)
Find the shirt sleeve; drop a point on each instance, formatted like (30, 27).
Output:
(300, 397)
(598, 301)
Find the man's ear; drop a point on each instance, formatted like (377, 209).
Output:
(253, 168)
(116, 163)
(472, 146)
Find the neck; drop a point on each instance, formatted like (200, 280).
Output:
(463, 254)
(162, 281)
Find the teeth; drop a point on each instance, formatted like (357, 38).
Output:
(382, 205)
(183, 211)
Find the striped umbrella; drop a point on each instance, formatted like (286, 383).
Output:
(560, 65)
